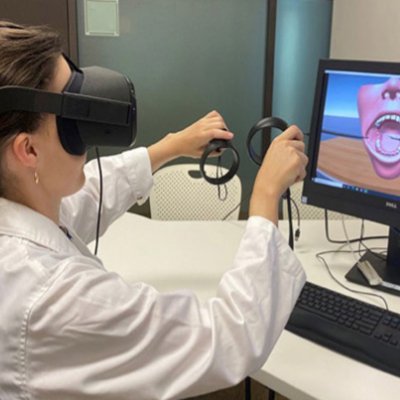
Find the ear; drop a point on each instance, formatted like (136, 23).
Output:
(24, 149)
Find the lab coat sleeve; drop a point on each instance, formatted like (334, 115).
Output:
(92, 335)
(127, 179)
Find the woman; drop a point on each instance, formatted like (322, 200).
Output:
(71, 330)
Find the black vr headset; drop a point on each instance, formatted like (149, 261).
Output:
(96, 108)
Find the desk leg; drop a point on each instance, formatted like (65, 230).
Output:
(271, 394)
(247, 384)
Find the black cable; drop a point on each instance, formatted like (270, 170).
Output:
(218, 174)
(347, 242)
(290, 219)
(341, 134)
(218, 145)
(100, 200)
(361, 234)
(322, 259)
(354, 240)
(289, 199)
(297, 232)
(231, 212)
(379, 255)
(348, 135)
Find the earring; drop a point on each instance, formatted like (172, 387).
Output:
(36, 177)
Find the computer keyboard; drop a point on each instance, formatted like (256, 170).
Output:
(351, 327)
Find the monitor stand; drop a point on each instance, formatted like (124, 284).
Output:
(388, 267)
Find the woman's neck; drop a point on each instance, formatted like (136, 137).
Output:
(46, 206)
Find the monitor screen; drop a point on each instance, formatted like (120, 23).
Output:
(354, 147)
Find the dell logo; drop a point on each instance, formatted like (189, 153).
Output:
(391, 205)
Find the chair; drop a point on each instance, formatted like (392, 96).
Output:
(181, 193)
(306, 211)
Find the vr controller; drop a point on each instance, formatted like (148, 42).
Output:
(220, 145)
(223, 145)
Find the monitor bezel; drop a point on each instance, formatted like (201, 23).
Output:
(357, 204)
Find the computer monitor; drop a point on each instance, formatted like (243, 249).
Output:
(354, 152)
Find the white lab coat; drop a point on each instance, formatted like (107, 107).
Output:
(71, 330)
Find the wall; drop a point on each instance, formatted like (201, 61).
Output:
(366, 30)
(187, 57)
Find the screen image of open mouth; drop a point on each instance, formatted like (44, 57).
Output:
(379, 112)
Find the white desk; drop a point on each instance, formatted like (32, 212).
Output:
(193, 255)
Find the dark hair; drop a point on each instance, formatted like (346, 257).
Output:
(27, 58)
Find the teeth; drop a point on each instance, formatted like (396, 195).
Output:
(387, 117)
(383, 154)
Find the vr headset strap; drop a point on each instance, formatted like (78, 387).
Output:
(66, 105)
(18, 98)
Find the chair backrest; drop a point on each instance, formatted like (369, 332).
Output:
(181, 193)
(306, 211)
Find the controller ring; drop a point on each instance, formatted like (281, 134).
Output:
(269, 122)
(215, 145)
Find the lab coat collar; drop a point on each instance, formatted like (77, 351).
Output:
(21, 221)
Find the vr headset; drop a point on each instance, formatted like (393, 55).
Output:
(96, 108)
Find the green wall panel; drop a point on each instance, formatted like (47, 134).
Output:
(302, 38)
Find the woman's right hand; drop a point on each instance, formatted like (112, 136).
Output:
(189, 142)
(284, 164)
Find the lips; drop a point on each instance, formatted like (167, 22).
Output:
(383, 138)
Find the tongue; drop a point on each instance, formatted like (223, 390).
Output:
(390, 140)
(390, 137)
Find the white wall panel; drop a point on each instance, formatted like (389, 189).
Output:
(366, 30)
